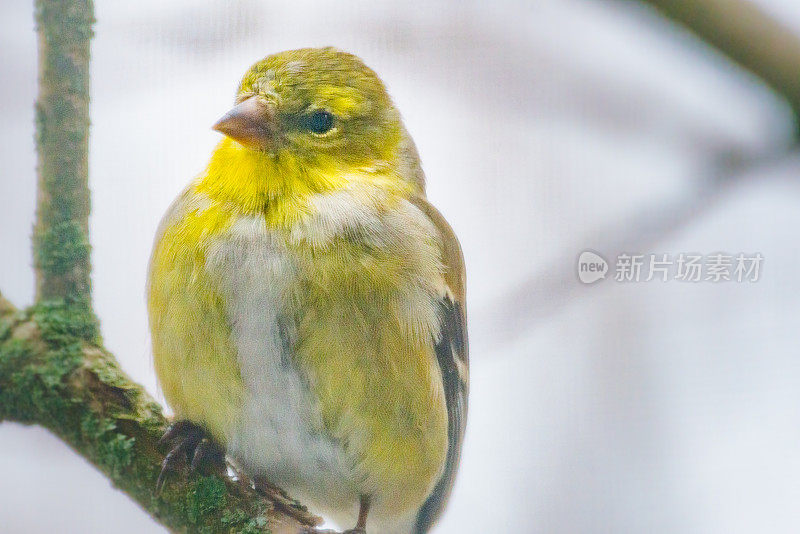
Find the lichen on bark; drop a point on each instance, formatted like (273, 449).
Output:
(61, 242)
(54, 373)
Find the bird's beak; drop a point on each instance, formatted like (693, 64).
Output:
(252, 123)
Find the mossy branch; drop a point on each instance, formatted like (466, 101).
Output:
(61, 242)
(55, 373)
(746, 34)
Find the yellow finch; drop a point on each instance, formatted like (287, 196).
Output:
(306, 301)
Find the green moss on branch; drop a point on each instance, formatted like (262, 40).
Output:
(61, 244)
(54, 373)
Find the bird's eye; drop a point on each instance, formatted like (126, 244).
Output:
(320, 122)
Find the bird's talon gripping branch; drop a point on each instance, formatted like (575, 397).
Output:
(190, 443)
(206, 451)
(173, 431)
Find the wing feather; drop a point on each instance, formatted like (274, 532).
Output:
(452, 355)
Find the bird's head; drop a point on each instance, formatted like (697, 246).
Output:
(321, 109)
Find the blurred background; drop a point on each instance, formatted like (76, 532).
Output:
(545, 128)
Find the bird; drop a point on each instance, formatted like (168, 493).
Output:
(306, 302)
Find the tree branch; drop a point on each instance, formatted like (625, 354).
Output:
(54, 373)
(61, 243)
(743, 32)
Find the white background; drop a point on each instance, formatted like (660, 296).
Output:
(545, 128)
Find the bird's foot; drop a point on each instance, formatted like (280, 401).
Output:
(282, 502)
(191, 444)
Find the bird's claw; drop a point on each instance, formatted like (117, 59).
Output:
(192, 444)
(208, 452)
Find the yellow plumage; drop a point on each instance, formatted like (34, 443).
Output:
(295, 298)
(195, 357)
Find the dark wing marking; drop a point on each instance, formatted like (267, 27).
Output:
(452, 355)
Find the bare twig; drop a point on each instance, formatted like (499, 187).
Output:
(746, 34)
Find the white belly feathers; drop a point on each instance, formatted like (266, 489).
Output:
(280, 434)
